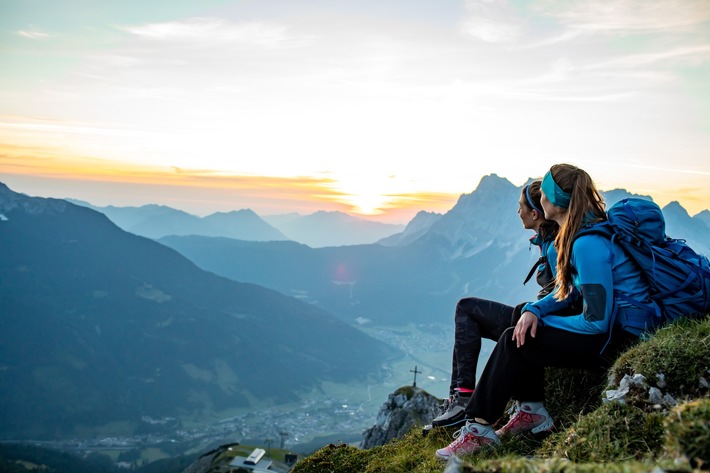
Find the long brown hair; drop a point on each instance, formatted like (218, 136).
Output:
(548, 227)
(586, 206)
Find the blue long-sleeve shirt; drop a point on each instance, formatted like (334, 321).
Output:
(603, 275)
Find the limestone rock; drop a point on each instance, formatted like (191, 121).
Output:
(404, 409)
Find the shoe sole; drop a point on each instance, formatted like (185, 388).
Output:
(449, 423)
(443, 457)
(545, 427)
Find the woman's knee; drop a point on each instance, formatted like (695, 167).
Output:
(507, 343)
(466, 306)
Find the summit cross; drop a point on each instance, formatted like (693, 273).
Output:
(415, 371)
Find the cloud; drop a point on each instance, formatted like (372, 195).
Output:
(490, 31)
(627, 16)
(33, 34)
(558, 39)
(30, 125)
(211, 31)
(491, 22)
(691, 54)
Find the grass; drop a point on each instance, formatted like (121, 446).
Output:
(636, 435)
(688, 427)
(680, 352)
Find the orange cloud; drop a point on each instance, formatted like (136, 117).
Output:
(201, 191)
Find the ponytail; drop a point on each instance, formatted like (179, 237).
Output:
(586, 206)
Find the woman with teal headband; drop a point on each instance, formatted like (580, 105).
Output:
(475, 318)
(544, 335)
(554, 193)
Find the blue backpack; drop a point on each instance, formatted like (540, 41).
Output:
(679, 278)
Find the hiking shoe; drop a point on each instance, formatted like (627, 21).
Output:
(445, 405)
(527, 416)
(454, 414)
(469, 438)
(442, 409)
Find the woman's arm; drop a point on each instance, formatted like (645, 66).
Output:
(590, 257)
(547, 305)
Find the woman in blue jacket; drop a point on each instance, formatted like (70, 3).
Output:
(588, 267)
(475, 319)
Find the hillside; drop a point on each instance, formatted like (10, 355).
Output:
(100, 328)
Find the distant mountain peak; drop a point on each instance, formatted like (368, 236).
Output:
(242, 215)
(236, 212)
(676, 209)
(328, 212)
(493, 182)
(331, 214)
(489, 186)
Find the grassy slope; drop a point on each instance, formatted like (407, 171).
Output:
(591, 436)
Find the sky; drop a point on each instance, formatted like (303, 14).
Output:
(376, 108)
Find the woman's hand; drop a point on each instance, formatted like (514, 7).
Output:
(528, 321)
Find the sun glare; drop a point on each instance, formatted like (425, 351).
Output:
(366, 195)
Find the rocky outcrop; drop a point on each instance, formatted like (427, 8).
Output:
(405, 408)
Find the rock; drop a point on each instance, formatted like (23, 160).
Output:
(655, 396)
(619, 395)
(404, 409)
(661, 380)
(669, 400)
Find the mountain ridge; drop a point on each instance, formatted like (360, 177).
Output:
(100, 325)
(156, 221)
(478, 248)
(319, 229)
(332, 228)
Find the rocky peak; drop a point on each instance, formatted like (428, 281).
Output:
(405, 408)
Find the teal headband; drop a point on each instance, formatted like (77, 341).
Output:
(553, 192)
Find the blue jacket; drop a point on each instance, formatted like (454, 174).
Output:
(603, 275)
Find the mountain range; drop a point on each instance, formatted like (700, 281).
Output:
(478, 248)
(101, 327)
(316, 230)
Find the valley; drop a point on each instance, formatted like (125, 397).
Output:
(336, 412)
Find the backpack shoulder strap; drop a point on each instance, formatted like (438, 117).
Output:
(542, 259)
(602, 228)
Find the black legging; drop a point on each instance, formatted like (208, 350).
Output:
(519, 373)
(475, 319)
